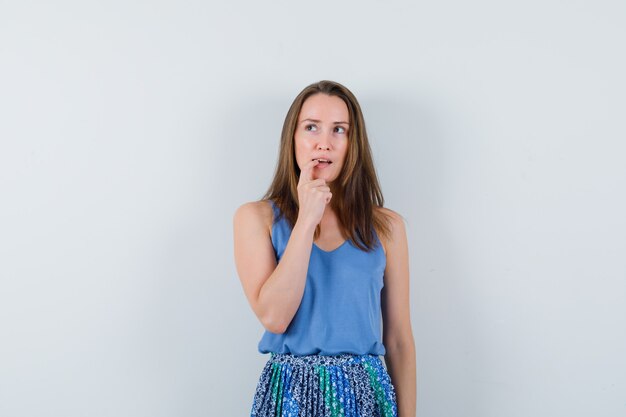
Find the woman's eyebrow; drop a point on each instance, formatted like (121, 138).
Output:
(319, 121)
(310, 120)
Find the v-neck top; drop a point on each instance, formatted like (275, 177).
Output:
(340, 310)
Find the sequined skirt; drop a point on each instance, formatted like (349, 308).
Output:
(344, 385)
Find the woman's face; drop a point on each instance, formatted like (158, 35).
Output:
(322, 133)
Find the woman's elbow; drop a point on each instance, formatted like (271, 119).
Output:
(274, 325)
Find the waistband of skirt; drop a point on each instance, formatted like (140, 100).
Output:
(316, 359)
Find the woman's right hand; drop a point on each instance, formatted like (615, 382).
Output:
(313, 195)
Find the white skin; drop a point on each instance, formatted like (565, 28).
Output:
(321, 132)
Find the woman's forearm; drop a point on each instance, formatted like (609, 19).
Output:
(401, 366)
(281, 295)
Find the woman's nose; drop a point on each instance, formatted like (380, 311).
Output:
(324, 142)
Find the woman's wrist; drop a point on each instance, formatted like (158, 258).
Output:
(304, 227)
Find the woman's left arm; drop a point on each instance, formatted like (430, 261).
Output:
(397, 332)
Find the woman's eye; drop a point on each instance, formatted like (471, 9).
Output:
(310, 128)
(340, 129)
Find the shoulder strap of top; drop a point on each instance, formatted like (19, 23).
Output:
(275, 209)
(280, 231)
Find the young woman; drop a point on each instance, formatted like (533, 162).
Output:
(321, 261)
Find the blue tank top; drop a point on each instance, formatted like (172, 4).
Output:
(340, 309)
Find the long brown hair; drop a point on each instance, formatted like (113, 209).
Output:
(357, 190)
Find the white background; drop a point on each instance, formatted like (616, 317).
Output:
(131, 131)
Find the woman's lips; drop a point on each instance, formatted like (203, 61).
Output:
(323, 163)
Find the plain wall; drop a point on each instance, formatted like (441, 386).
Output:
(131, 131)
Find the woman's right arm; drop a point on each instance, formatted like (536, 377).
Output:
(275, 291)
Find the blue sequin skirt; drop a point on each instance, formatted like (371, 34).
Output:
(344, 385)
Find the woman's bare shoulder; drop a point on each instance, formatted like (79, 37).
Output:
(258, 213)
(395, 222)
(392, 216)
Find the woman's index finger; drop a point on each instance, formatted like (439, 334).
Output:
(306, 174)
